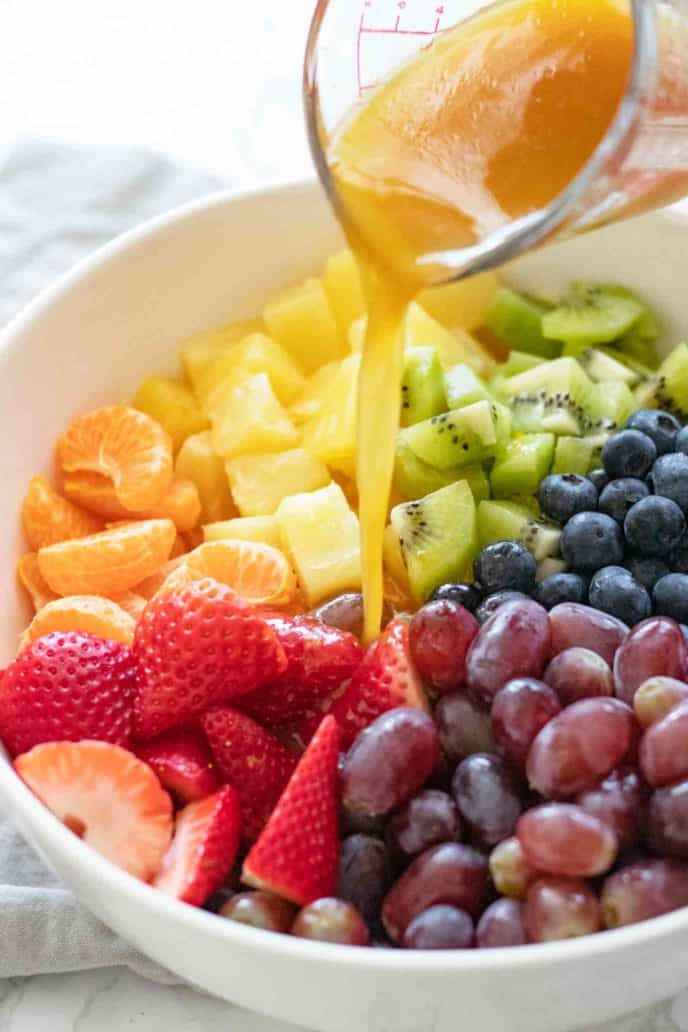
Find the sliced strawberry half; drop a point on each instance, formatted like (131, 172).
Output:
(252, 760)
(297, 853)
(386, 678)
(183, 763)
(106, 796)
(204, 848)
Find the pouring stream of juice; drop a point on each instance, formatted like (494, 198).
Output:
(488, 124)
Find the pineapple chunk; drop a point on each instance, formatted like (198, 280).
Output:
(201, 350)
(301, 320)
(357, 333)
(263, 529)
(173, 405)
(312, 398)
(331, 435)
(257, 353)
(249, 418)
(197, 461)
(342, 282)
(320, 534)
(260, 482)
(422, 330)
(462, 304)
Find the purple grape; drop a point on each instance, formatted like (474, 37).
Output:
(667, 821)
(364, 875)
(260, 910)
(513, 643)
(426, 820)
(388, 762)
(440, 635)
(663, 755)
(656, 697)
(502, 924)
(464, 727)
(511, 872)
(562, 839)
(655, 646)
(643, 890)
(450, 873)
(487, 797)
(520, 710)
(619, 801)
(575, 625)
(331, 920)
(440, 927)
(560, 908)
(577, 674)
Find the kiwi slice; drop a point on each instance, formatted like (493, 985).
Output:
(601, 365)
(462, 387)
(610, 406)
(521, 464)
(573, 455)
(554, 397)
(458, 438)
(511, 521)
(422, 388)
(414, 478)
(517, 320)
(592, 315)
(519, 362)
(438, 537)
(668, 389)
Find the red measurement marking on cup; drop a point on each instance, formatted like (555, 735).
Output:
(388, 27)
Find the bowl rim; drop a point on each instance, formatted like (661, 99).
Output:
(20, 799)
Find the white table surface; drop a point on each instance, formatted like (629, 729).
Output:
(216, 83)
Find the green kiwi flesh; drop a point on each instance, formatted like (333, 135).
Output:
(463, 387)
(573, 455)
(422, 388)
(521, 464)
(414, 478)
(458, 438)
(511, 521)
(593, 315)
(554, 397)
(517, 320)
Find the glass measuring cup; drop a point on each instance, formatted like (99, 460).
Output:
(641, 163)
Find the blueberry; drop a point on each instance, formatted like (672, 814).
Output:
(467, 595)
(561, 587)
(662, 427)
(679, 558)
(654, 526)
(628, 454)
(669, 478)
(591, 540)
(599, 478)
(506, 566)
(645, 570)
(619, 495)
(614, 591)
(492, 603)
(681, 442)
(670, 596)
(562, 495)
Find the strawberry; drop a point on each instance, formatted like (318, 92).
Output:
(297, 853)
(385, 679)
(251, 759)
(106, 796)
(195, 647)
(319, 660)
(65, 687)
(183, 763)
(204, 847)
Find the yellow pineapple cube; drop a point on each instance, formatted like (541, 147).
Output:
(312, 398)
(249, 418)
(257, 353)
(263, 529)
(331, 434)
(421, 330)
(357, 333)
(342, 282)
(320, 534)
(173, 405)
(198, 461)
(302, 321)
(260, 482)
(461, 305)
(200, 351)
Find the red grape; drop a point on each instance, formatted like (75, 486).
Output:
(331, 920)
(655, 646)
(440, 927)
(575, 625)
(663, 753)
(577, 674)
(511, 872)
(560, 908)
(450, 873)
(426, 820)
(520, 709)
(260, 910)
(364, 875)
(487, 797)
(513, 643)
(667, 821)
(619, 801)
(562, 839)
(501, 925)
(642, 890)
(656, 697)
(388, 762)
(584, 743)
(440, 635)
(464, 727)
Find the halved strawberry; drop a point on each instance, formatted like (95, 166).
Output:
(106, 796)
(297, 853)
(196, 647)
(251, 759)
(204, 847)
(183, 763)
(386, 678)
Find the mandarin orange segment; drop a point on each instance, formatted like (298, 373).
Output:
(258, 572)
(96, 493)
(151, 585)
(89, 613)
(110, 562)
(34, 582)
(125, 446)
(49, 518)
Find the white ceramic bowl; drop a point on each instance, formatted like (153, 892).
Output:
(88, 341)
